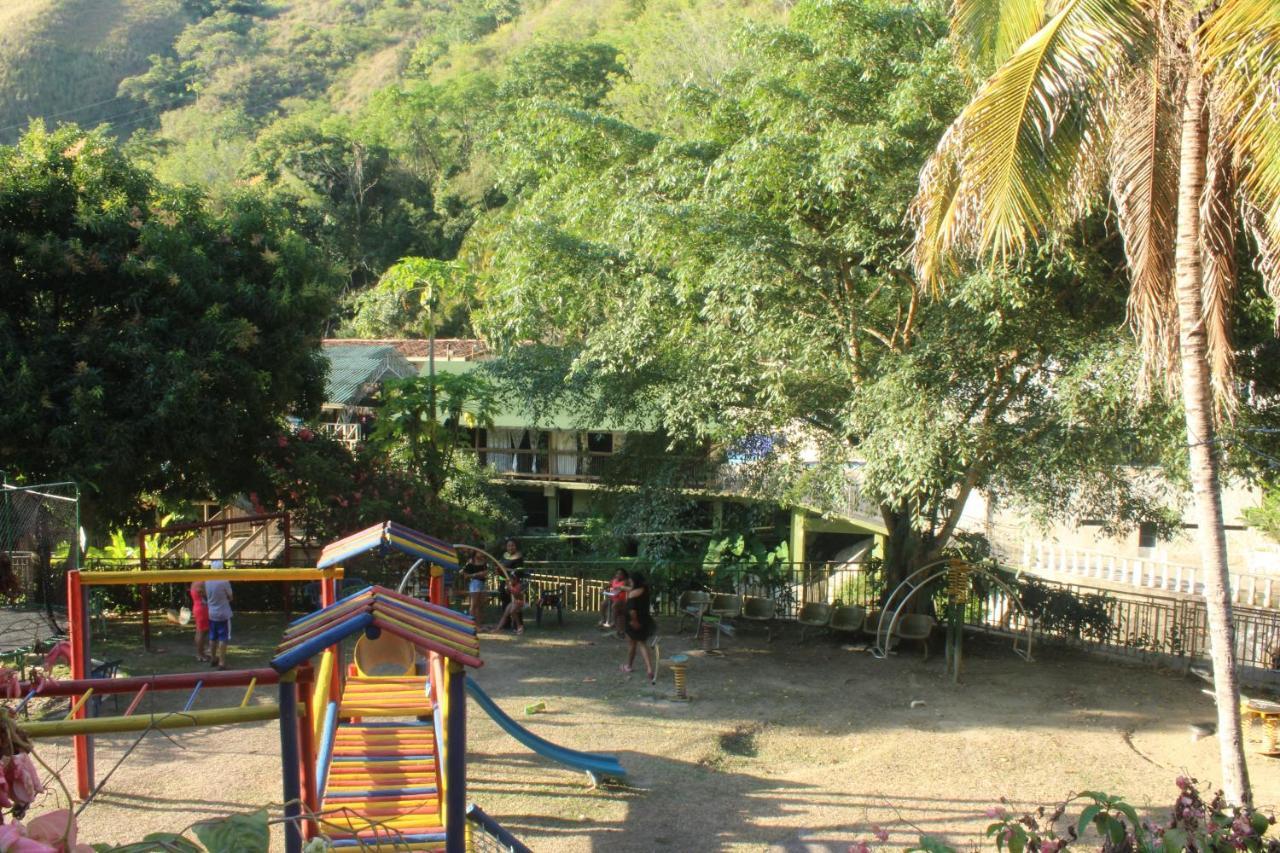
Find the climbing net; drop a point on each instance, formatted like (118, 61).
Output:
(39, 541)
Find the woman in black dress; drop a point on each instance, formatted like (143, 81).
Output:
(639, 625)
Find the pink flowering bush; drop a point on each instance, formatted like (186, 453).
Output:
(1111, 825)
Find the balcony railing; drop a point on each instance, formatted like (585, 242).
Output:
(518, 462)
(348, 434)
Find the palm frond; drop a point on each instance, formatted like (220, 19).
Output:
(933, 213)
(1266, 257)
(1024, 137)
(989, 31)
(1240, 52)
(1144, 185)
(1218, 218)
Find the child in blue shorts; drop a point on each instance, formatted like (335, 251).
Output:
(217, 594)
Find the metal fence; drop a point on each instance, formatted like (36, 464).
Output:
(1167, 627)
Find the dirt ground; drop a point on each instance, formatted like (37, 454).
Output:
(783, 747)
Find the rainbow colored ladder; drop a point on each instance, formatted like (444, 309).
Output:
(382, 788)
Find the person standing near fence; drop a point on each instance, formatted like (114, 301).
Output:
(218, 596)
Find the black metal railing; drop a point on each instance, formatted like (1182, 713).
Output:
(1140, 625)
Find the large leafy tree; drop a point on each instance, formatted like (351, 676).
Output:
(148, 342)
(746, 274)
(1171, 107)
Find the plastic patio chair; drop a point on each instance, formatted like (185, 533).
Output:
(760, 610)
(848, 618)
(916, 626)
(692, 604)
(104, 669)
(814, 614)
(551, 599)
(725, 605)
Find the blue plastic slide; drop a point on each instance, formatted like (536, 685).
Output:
(595, 763)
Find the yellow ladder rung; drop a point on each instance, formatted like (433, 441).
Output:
(80, 703)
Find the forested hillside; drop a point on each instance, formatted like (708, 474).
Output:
(63, 59)
(374, 121)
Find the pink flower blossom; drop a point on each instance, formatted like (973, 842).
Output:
(880, 833)
(13, 839)
(282, 441)
(57, 829)
(860, 847)
(996, 812)
(24, 781)
(6, 801)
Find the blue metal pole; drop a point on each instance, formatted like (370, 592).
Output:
(455, 764)
(191, 700)
(326, 746)
(290, 768)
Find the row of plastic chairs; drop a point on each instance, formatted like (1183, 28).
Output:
(697, 605)
(853, 618)
(814, 615)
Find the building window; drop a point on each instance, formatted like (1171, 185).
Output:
(1147, 534)
(600, 442)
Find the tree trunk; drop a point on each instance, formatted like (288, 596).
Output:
(1197, 396)
(905, 552)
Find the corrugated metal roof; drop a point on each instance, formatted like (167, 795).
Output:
(354, 370)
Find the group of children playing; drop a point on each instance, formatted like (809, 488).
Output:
(475, 573)
(626, 607)
(211, 611)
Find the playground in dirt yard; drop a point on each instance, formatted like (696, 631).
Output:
(783, 746)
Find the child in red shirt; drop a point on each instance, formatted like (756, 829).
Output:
(200, 615)
(614, 598)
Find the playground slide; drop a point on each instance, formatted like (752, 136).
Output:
(595, 763)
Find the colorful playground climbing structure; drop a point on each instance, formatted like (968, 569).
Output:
(374, 750)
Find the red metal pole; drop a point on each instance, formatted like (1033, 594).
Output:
(306, 746)
(75, 632)
(171, 681)
(435, 589)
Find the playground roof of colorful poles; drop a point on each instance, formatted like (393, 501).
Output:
(390, 536)
(429, 627)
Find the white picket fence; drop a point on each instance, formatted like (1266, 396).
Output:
(1064, 563)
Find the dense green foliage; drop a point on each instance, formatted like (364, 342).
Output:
(364, 117)
(148, 339)
(742, 273)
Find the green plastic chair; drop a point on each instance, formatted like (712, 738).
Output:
(692, 604)
(814, 614)
(848, 618)
(916, 626)
(760, 610)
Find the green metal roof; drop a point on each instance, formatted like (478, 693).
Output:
(355, 368)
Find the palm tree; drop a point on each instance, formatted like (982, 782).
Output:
(1172, 109)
